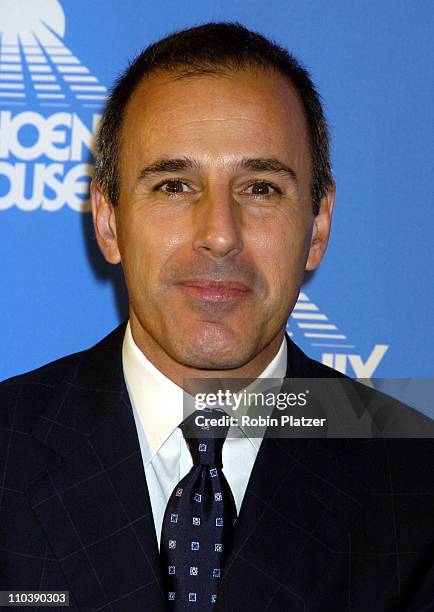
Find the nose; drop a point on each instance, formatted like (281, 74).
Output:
(217, 225)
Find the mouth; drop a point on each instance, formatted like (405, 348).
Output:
(215, 291)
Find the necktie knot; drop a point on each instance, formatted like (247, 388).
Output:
(206, 451)
(205, 432)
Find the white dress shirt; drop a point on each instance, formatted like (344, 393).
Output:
(157, 404)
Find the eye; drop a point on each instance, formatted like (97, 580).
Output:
(173, 186)
(261, 188)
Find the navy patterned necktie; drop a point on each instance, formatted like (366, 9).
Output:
(198, 522)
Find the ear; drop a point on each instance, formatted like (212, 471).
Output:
(321, 229)
(104, 223)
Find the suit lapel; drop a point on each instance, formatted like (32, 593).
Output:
(93, 501)
(296, 510)
(295, 514)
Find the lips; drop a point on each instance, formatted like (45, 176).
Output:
(215, 291)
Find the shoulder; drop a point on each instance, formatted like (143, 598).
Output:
(46, 375)
(359, 405)
(23, 397)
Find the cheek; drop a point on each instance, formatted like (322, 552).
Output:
(280, 249)
(147, 244)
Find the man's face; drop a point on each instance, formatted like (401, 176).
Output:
(214, 225)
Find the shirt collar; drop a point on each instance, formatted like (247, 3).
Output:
(157, 401)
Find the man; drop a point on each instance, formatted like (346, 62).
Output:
(213, 190)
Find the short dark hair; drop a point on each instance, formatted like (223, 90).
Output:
(207, 49)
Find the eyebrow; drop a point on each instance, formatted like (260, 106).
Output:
(255, 164)
(270, 164)
(162, 166)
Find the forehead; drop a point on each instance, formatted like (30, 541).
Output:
(253, 112)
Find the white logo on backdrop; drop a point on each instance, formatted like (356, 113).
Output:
(38, 71)
(309, 326)
(34, 62)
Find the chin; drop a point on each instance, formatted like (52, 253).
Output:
(214, 362)
(213, 353)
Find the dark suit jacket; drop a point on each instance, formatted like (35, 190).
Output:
(325, 525)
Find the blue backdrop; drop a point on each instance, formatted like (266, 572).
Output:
(373, 66)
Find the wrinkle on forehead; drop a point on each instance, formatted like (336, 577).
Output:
(235, 114)
(160, 94)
